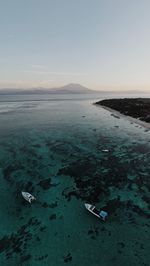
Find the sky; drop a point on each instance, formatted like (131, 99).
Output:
(101, 44)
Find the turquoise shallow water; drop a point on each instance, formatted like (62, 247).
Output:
(53, 149)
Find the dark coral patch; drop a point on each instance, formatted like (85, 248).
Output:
(8, 170)
(70, 194)
(93, 232)
(42, 257)
(121, 244)
(17, 243)
(67, 258)
(42, 228)
(45, 183)
(52, 205)
(89, 184)
(25, 258)
(52, 217)
(29, 187)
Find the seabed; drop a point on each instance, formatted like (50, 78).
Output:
(54, 151)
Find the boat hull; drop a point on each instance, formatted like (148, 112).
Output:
(100, 214)
(27, 196)
(90, 208)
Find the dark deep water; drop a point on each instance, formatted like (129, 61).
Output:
(53, 149)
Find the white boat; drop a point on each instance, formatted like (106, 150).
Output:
(105, 150)
(28, 197)
(100, 214)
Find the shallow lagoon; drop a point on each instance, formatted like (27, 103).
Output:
(53, 149)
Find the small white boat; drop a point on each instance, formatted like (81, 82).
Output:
(100, 214)
(105, 150)
(28, 197)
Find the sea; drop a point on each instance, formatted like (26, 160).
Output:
(53, 147)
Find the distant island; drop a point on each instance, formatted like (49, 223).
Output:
(138, 108)
(71, 88)
(67, 89)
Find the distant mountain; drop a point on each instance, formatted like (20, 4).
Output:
(71, 88)
(68, 89)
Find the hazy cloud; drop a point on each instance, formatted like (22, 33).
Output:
(55, 73)
(37, 66)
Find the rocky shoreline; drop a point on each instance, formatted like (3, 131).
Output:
(138, 108)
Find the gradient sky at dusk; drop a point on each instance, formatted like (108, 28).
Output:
(101, 44)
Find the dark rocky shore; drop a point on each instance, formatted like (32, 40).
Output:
(137, 108)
